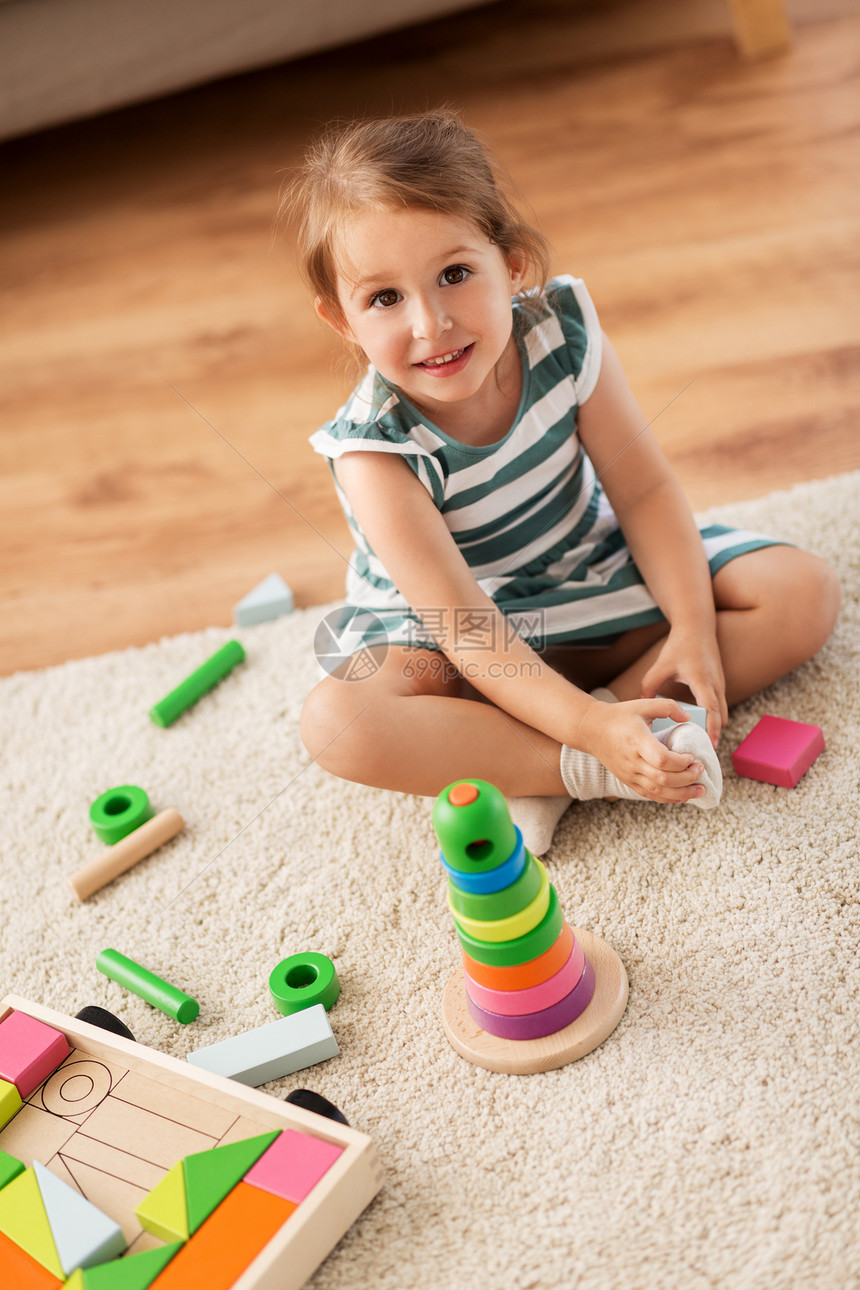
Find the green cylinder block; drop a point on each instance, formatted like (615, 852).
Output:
(524, 948)
(498, 904)
(119, 812)
(474, 826)
(160, 993)
(197, 684)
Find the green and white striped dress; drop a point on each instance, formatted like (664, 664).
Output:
(527, 512)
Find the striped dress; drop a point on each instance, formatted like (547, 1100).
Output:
(527, 512)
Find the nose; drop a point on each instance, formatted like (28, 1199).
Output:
(429, 318)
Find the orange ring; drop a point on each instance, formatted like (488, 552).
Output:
(521, 976)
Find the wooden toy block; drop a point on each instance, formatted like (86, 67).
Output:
(82, 1234)
(134, 1272)
(278, 1048)
(695, 713)
(164, 1211)
(302, 980)
(20, 1271)
(210, 1175)
(24, 1220)
(143, 1113)
(29, 1052)
(228, 1241)
(778, 751)
(270, 599)
(293, 1165)
(154, 989)
(123, 855)
(9, 1168)
(187, 693)
(119, 811)
(10, 1101)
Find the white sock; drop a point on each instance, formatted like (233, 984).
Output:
(586, 778)
(537, 817)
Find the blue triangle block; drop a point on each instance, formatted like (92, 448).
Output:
(270, 599)
(82, 1234)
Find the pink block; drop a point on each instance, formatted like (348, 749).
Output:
(30, 1051)
(518, 1003)
(293, 1165)
(778, 751)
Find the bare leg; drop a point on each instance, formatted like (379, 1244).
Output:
(365, 731)
(776, 607)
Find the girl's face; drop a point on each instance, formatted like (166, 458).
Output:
(428, 299)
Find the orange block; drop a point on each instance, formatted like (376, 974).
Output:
(232, 1236)
(19, 1269)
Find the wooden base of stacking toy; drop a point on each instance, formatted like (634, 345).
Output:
(527, 1056)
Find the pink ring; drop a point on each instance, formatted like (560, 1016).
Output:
(537, 1024)
(516, 1003)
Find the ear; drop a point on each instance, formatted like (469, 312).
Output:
(518, 266)
(336, 323)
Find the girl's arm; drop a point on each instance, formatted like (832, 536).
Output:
(410, 537)
(662, 536)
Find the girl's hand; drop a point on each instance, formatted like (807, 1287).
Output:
(619, 736)
(693, 659)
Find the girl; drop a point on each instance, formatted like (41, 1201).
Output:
(527, 574)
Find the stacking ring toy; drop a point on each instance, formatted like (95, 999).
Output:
(119, 812)
(303, 980)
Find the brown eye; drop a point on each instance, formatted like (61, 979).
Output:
(385, 299)
(454, 275)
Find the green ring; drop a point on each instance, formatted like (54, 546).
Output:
(119, 812)
(303, 980)
(499, 930)
(524, 948)
(498, 904)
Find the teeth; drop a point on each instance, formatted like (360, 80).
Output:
(447, 358)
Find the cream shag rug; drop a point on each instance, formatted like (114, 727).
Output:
(711, 1141)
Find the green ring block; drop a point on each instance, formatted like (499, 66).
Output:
(161, 994)
(498, 904)
(119, 812)
(516, 926)
(479, 835)
(186, 694)
(302, 980)
(524, 948)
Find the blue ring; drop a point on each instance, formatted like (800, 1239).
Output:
(493, 879)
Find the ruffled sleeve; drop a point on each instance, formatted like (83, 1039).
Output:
(386, 431)
(569, 336)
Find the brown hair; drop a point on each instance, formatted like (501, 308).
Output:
(429, 161)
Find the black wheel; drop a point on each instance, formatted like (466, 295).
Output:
(97, 1016)
(309, 1101)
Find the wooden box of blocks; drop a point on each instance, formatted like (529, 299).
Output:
(123, 1167)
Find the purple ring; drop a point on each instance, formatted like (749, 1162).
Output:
(535, 1025)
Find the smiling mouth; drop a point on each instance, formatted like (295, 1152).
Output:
(444, 359)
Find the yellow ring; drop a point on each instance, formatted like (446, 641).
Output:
(516, 925)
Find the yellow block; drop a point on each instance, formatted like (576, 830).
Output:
(10, 1101)
(163, 1212)
(24, 1221)
(516, 925)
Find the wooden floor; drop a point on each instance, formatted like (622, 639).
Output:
(162, 369)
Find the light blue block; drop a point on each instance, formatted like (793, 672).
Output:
(270, 599)
(279, 1048)
(699, 715)
(83, 1235)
